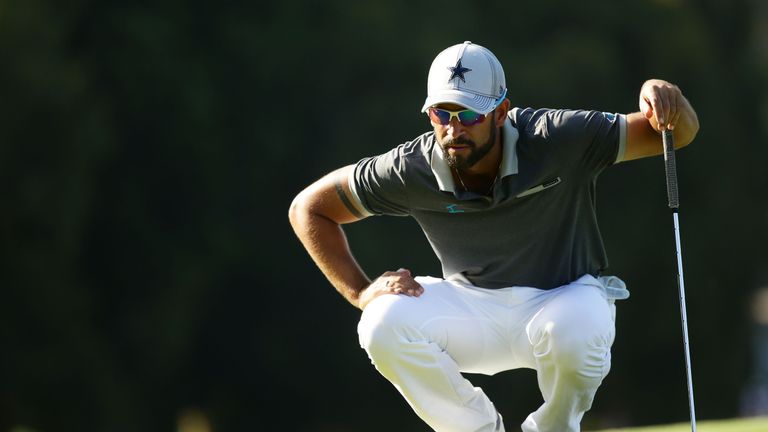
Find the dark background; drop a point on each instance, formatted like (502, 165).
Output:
(149, 152)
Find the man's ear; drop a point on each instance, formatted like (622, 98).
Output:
(501, 111)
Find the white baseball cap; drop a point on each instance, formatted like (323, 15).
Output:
(468, 75)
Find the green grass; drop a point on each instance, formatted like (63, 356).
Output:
(757, 424)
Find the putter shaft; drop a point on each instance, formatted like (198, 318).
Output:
(674, 203)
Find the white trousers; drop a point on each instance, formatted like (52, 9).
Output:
(422, 345)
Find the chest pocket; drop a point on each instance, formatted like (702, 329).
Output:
(536, 189)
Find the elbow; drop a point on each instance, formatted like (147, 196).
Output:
(298, 210)
(690, 132)
(694, 128)
(304, 211)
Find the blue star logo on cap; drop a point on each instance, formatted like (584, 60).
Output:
(458, 71)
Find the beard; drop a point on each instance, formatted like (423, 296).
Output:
(476, 153)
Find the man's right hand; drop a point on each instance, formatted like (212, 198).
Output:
(391, 282)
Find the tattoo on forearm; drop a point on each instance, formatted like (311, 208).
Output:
(346, 201)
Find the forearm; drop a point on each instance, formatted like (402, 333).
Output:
(327, 244)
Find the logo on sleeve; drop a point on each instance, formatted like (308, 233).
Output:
(610, 116)
(454, 208)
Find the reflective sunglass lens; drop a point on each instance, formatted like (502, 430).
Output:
(439, 116)
(469, 118)
(466, 117)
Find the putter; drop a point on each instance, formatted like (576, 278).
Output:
(674, 204)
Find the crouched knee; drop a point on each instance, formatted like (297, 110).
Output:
(385, 325)
(583, 355)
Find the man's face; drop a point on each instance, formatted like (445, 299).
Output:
(463, 146)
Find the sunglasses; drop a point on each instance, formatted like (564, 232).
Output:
(465, 117)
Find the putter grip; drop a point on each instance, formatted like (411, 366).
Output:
(671, 168)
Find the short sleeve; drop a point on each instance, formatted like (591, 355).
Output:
(587, 140)
(599, 137)
(378, 184)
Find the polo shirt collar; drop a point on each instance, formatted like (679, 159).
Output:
(508, 166)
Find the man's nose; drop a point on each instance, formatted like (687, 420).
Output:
(455, 129)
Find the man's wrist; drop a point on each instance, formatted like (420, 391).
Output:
(354, 293)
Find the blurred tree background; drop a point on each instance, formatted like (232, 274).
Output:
(149, 151)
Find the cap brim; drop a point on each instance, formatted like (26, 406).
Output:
(477, 103)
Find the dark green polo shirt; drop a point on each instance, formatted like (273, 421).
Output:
(538, 229)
